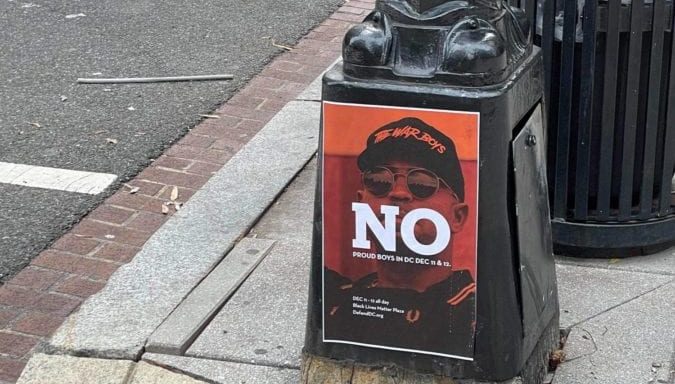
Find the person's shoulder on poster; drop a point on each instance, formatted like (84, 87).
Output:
(456, 289)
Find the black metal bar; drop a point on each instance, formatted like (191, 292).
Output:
(585, 110)
(608, 111)
(669, 136)
(631, 111)
(625, 17)
(565, 108)
(653, 98)
(530, 7)
(547, 37)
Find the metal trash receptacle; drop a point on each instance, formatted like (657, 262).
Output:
(610, 92)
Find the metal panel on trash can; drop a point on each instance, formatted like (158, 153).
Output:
(537, 266)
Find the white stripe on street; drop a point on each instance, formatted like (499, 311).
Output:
(55, 178)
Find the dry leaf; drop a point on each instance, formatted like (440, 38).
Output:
(556, 358)
(111, 141)
(174, 193)
(178, 206)
(165, 209)
(36, 125)
(210, 116)
(134, 190)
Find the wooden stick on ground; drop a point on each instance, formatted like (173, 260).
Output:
(127, 80)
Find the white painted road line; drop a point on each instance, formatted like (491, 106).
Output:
(55, 178)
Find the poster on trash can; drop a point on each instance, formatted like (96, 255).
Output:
(400, 213)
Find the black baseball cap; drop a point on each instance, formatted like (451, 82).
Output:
(412, 140)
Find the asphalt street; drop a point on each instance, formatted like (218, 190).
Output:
(46, 119)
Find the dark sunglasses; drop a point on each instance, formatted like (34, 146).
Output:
(421, 183)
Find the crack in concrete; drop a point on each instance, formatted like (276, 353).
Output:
(671, 375)
(620, 304)
(130, 373)
(246, 362)
(587, 354)
(182, 372)
(309, 369)
(612, 267)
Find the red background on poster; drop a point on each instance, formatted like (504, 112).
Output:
(346, 129)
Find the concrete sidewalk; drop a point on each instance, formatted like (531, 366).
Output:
(219, 293)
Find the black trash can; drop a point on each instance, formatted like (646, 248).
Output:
(610, 92)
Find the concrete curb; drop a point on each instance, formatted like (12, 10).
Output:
(116, 322)
(48, 369)
(184, 324)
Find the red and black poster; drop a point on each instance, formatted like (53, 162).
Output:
(400, 209)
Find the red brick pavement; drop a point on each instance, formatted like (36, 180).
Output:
(37, 300)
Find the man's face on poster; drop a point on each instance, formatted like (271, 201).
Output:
(410, 186)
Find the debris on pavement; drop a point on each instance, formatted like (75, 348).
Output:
(132, 189)
(284, 47)
(128, 80)
(557, 357)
